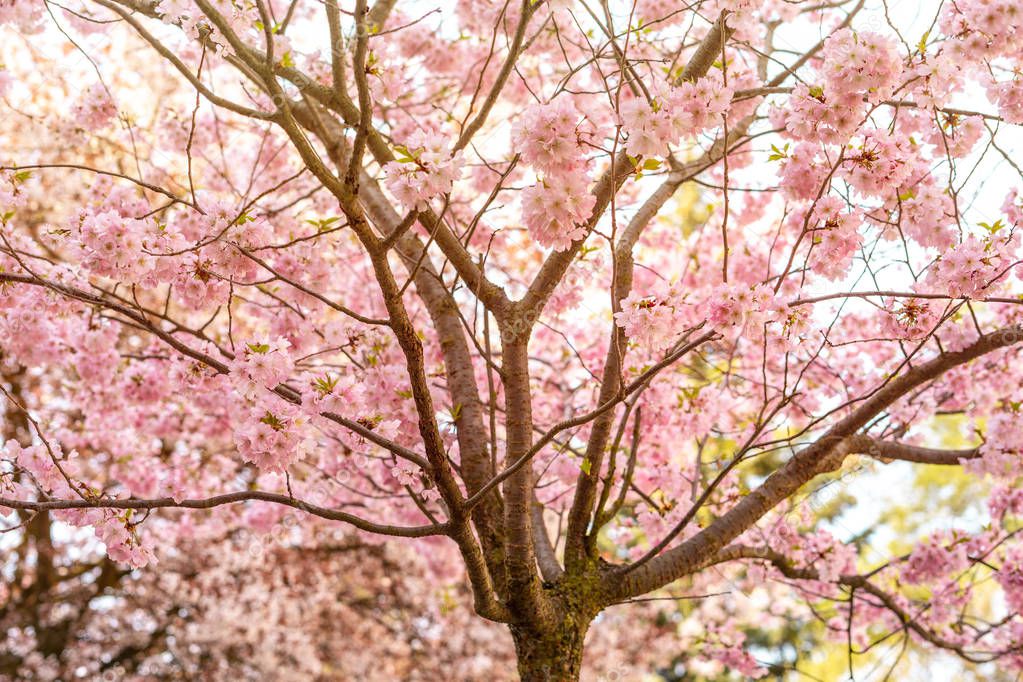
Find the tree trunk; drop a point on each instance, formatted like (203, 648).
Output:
(550, 657)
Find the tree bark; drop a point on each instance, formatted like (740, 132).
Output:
(556, 656)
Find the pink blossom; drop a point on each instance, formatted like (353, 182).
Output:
(1009, 97)
(424, 170)
(927, 215)
(967, 269)
(125, 544)
(555, 210)
(936, 557)
(26, 15)
(95, 109)
(265, 363)
(272, 440)
(940, 75)
(37, 461)
(861, 62)
(803, 173)
(649, 321)
(835, 238)
(879, 163)
(815, 113)
(403, 475)
(739, 307)
(909, 318)
(547, 136)
(1010, 577)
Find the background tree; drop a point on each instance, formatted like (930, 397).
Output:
(417, 271)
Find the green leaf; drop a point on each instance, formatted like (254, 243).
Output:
(323, 224)
(651, 164)
(922, 45)
(325, 384)
(585, 466)
(691, 393)
(259, 348)
(779, 154)
(273, 421)
(998, 225)
(404, 155)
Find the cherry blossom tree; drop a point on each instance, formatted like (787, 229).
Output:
(567, 306)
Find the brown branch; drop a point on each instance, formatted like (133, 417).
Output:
(886, 450)
(856, 582)
(527, 8)
(486, 573)
(231, 498)
(581, 513)
(142, 322)
(826, 454)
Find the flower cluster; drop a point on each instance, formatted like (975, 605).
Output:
(272, 437)
(802, 172)
(94, 110)
(340, 395)
(30, 327)
(123, 541)
(672, 113)
(879, 163)
(741, 307)
(650, 321)
(424, 170)
(909, 318)
(934, 558)
(648, 126)
(112, 246)
(262, 364)
(547, 136)
(1010, 577)
(984, 26)
(404, 475)
(26, 15)
(11, 489)
(815, 113)
(197, 285)
(834, 239)
(937, 77)
(97, 357)
(1005, 500)
(966, 269)
(861, 63)
(1000, 455)
(927, 215)
(37, 461)
(555, 210)
(1008, 95)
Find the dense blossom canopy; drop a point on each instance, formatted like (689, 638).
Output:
(337, 336)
